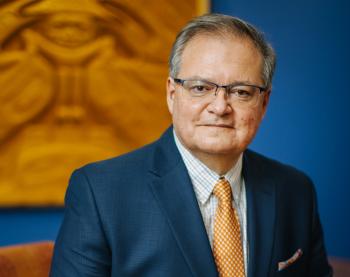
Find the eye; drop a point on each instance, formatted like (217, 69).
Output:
(242, 92)
(199, 88)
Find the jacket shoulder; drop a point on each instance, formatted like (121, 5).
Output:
(136, 159)
(286, 175)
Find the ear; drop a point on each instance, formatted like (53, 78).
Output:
(170, 94)
(266, 101)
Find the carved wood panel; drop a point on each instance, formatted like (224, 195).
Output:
(80, 81)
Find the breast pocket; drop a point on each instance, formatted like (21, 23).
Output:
(297, 268)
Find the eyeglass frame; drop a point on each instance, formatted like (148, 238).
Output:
(217, 86)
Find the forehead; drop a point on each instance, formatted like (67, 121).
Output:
(221, 58)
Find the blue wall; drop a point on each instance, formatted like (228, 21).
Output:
(307, 124)
(308, 121)
(26, 225)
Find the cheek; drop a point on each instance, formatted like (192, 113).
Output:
(182, 118)
(249, 122)
(186, 112)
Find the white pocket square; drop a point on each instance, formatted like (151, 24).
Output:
(291, 260)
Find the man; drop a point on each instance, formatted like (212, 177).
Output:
(196, 202)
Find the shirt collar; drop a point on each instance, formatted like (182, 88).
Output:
(204, 179)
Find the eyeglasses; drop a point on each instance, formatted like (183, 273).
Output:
(245, 95)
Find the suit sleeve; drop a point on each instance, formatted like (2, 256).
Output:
(319, 265)
(81, 248)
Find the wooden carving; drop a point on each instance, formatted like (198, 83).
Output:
(80, 80)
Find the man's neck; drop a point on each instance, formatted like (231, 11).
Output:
(220, 163)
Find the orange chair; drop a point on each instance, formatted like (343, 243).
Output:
(341, 267)
(34, 259)
(26, 260)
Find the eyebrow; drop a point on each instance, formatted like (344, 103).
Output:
(236, 83)
(197, 77)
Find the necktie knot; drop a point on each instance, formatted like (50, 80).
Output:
(223, 192)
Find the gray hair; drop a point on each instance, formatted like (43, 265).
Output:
(219, 24)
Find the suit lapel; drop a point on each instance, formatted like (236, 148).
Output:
(174, 193)
(260, 215)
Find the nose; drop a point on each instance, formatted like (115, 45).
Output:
(220, 104)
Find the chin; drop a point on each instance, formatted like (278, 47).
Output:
(219, 148)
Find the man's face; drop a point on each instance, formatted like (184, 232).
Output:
(216, 126)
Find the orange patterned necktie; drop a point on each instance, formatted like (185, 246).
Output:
(227, 244)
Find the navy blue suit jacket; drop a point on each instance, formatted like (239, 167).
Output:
(137, 215)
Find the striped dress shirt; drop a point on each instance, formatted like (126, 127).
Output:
(203, 181)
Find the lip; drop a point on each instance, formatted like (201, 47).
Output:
(218, 125)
